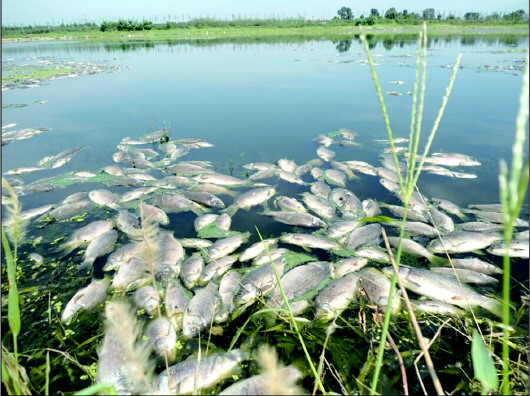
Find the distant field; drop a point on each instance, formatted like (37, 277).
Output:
(219, 32)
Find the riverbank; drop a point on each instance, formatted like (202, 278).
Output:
(229, 32)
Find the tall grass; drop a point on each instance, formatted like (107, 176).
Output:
(513, 188)
(408, 183)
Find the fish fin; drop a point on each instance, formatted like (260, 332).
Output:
(231, 210)
(199, 209)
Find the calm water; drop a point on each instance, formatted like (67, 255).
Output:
(266, 101)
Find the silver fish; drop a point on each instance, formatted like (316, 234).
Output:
(201, 310)
(100, 246)
(366, 235)
(444, 288)
(225, 246)
(147, 298)
(296, 218)
(249, 199)
(161, 335)
(309, 241)
(320, 189)
(86, 234)
(87, 298)
(258, 282)
(289, 204)
(104, 198)
(176, 302)
(462, 242)
(260, 384)
(66, 211)
(517, 248)
(325, 154)
(216, 268)
(336, 177)
(228, 288)
(474, 264)
(377, 287)
(193, 375)
(466, 275)
(336, 297)
(319, 206)
(191, 270)
(204, 198)
(257, 249)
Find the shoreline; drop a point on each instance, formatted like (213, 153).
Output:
(220, 32)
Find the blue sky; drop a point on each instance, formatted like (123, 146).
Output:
(29, 12)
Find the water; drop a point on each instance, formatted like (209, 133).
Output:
(262, 101)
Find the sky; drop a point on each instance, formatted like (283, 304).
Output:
(43, 12)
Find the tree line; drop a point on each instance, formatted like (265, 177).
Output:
(428, 14)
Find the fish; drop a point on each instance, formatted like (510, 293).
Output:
(86, 298)
(66, 211)
(336, 177)
(496, 217)
(346, 201)
(290, 177)
(23, 170)
(257, 249)
(193, 375)
(176, 301)
(480, 226)
(474, 264)
(339, 166)
(261, 385)
(309, 241)
(373, 253)
(167, 264)
(195, 243)
(323, 140)
(346, 266)
(228, 288)
(249, 199)
(466, 275)
(377, 288)
(98, 247)
(85, 234)
(437, 307)
(444, 288)
(147, 298)
(188, 169)
(441, 221)
(303, 170)
(289, 204)
(258, 282)
(128, 272)
(462, 242)
(299, 281)
(104, 198)
(219, 179)
(320, 189)
(204, 221)
(161, 336)
(325, 154)
(224, 221)
(451, 159)
(204, 198)
(177, 203)
(121, 255)
(366, 235)
(416, 228)
(361, 167)
(263, 174)
(273, 254)
(225, 246)
(191, 270)
(260, 166)
(201, 310)
(320, 206)
(487, 207)
(336, 297)
(370, 207)
(216, 268)
(137, 193)
(517, 248)
(341, 228)
(153, 213)
(287, 165)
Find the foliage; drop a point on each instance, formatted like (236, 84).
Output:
(345, 13)
(123, 25)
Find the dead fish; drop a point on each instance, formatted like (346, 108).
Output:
(100, 246)
(289, 204)
(86, 234)
(325, 154)
(66, 211)
(258, 282)
(204, 198)
(257, 249)
(162, 336)
(320, 189)
(310, 241)
(201, 310)
(177, 203)
(219, 179)
(365, 235)
(176, 302)
(517, 248)
(336, 297)
(87, 298)
(474, 264)
(191, 270)
(137, 193)
(462, 242)
(147, 298)
(23, 170)
(323, 140)
(249, 199)
(346, 266)
(203, 221)
(228, 288)
(260, 384)
(287, 165)
(290, 177)
(466, 275)
(377, 288)
(225, 246)
(104, 198)
(216, 268)
(121, 255)
(192, 375)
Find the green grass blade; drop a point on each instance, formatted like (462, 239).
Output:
(105, 387)
(483, 365)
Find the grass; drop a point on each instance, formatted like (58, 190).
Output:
(33, 73)
(261, 31)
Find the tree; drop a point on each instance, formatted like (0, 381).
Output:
(345, 13)
(391, 13)
(374, 12)
(515, 16)
(471, 16)
(428, 13)
(404, 13)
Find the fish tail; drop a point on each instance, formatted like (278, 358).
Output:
(494, 306)
(436, 260)
(231, 210)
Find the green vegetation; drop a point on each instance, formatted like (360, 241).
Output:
(33, 73)
(345, 23)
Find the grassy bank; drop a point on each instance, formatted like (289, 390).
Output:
(220, 32)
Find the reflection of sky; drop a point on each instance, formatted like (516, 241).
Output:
(265, 102)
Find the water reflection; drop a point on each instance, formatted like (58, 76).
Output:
(342, 43)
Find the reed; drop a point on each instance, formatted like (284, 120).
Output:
(513, 188)
(408, 183)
